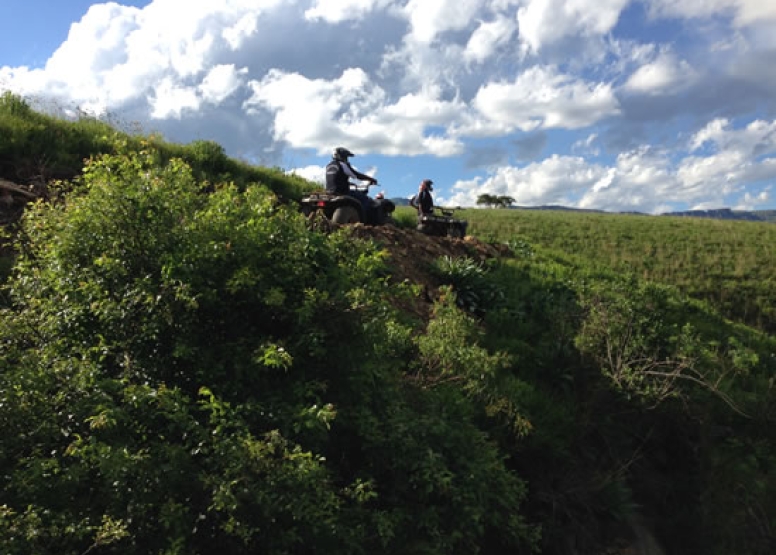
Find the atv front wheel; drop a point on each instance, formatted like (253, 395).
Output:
(345, 215)
(455, 231)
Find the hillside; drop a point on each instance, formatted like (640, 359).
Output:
(189, 366)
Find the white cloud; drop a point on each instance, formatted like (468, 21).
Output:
(243, 29)
(640, 180)
(116, 54)
(663, 75)
(757, 138)
(488, 37)
(586, 145)
(753, 201)
(336, 11)
(645, 179)
(744, 12)
(540, 98)
(740, 156)
(544, 22)
(495, 80)
(555, 180)
(314, 113)
(221, 82)
(316, 174)
(713, 131)
(429, 18)
(306, 110)
(170, 100)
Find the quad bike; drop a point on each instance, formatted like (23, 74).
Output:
(442, 224)
(347, 209)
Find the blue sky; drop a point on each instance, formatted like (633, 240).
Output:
(619, 105)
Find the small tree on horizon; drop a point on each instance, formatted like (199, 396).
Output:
(505, 201)
(487, 200)
(495, 201)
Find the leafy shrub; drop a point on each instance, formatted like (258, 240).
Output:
(475, 292)
(186, 372)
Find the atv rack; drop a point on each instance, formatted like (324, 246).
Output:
(443, 224)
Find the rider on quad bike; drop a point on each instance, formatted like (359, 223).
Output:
(344, 202)
(339, 171)
(443, 224)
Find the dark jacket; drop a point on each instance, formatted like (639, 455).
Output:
(423, 202)
(337, 174)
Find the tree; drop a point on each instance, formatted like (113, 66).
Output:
(487, 200)
(505, 201)
(495, 200)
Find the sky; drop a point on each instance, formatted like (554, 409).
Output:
(617, 105)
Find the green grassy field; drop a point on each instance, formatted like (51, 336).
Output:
(731, 264)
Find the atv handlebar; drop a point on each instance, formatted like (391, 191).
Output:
(447, 210)
(364, 188)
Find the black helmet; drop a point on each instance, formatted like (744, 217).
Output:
(341, 153)
(428, 183)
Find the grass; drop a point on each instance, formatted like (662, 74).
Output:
(731, 264)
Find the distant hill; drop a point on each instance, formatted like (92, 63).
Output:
(728, 214)
(716, 213)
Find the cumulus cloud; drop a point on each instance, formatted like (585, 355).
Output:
(488, 37)
(336, 11)
(540, 98)
(316, 174)
(744, 12)
(170, 100)
(739, 157)
(646, 179)
(116, 54)
(639, 180)
(756, 138)
(220, 82)
(547, 101)
(555, 180)
(429, 18)
(663, 75)
(546, 22)
(315, 113)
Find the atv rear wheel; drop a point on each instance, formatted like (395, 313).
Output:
(345, 215)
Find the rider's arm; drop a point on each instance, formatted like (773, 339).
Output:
(355, 174)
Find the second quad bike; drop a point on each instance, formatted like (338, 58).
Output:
(347, 209)
(442, 223)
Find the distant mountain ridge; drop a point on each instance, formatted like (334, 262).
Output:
(729, 214)
(715, 213)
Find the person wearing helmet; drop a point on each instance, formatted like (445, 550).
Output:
(423, 201)
(339, 171)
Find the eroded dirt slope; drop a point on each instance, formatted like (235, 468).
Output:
(412, 254)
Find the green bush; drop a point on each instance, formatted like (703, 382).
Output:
(187, 373)
(475, 292)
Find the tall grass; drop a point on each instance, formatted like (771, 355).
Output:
(731, 264)
(36, 146)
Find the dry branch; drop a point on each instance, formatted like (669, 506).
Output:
(14, 188)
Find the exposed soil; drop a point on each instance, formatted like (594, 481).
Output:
(412, 254)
